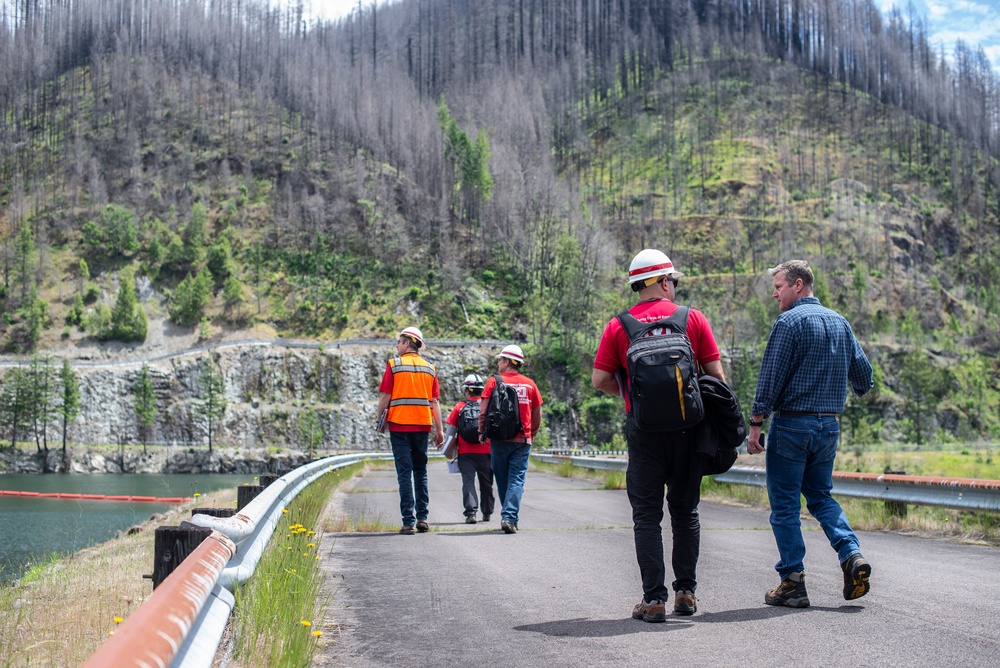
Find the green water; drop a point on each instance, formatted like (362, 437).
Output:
(33, 529)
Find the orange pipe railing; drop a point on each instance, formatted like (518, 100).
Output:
(156, 631)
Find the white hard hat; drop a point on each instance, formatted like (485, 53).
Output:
(512, 352)
(649, 263)
(474, 381)
(414, 334)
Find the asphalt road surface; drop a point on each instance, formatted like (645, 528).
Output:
(560, 592)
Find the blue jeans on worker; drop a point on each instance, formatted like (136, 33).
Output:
(800, 454)
(656, 460)
(510, 466)
(409, 449)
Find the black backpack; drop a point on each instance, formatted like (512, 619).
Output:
(663, 374)
(503, 414)
(468, 421)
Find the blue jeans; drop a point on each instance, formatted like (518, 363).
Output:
(800, 453)
(409, 449)
(510, 465)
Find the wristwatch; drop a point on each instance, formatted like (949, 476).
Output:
(754, 423)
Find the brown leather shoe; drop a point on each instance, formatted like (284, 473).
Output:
(423, 526)
(407, 530)
(685, 603)
(654, 611)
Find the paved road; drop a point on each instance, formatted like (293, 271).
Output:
(560, 591)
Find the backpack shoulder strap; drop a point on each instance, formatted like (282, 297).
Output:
(633, 328)
(678, 320)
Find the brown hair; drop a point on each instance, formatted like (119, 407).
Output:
(794, 270)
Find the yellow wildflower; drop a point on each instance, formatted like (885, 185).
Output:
(305, 623)
(118, 620)
(317, 633)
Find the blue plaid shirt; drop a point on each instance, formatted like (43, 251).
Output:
(810, 356)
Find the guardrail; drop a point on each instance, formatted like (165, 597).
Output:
(960, 493)
(182, 623)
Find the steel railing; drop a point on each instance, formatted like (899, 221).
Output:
(182, 623)
(960, 493)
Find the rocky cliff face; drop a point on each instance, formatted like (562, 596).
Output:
(270, 390)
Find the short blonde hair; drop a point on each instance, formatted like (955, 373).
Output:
(793, 271)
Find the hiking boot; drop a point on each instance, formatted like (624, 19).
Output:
(508, 527)
(856, 574)
(654, 611)
(407, 530)
(486, 517)
(470, 519)
(685, 603)
(791, 592)
(422, 526)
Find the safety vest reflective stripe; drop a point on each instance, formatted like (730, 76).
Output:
(412, 385)
(412, 368)
(409, 402)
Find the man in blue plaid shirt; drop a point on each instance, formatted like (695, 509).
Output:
(811, 356)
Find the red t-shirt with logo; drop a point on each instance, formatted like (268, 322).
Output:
(528, 396)
(614, 342)
(464, 447)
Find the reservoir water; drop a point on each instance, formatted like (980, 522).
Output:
(33, 529)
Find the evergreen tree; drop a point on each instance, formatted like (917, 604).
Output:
(69, 405)
(213, 398)
(145, 404)
(128, 320)
(119, 230)
(15, 402)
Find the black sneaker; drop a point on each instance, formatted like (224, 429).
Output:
(685, 603)
(508, 527)
(791, 593)
(486, 517)
(654, 611)
(856, 574)
(470, 519)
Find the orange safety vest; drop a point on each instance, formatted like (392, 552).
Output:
(412, 384)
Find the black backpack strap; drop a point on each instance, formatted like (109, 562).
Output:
(676, 321)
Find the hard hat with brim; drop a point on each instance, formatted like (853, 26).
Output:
(512, 352)
(474, 381)
(414, 334)
(649, 263)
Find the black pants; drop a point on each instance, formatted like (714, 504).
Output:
(472, 466)
(654, 461)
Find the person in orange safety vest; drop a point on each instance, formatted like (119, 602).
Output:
(408, 407)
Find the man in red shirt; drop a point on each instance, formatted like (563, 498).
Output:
(510, 457)
(473, 456)
(408, 395)
(656, 459)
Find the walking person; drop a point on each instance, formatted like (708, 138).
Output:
(658, 457)
(509, 456)
(810, 358)
(473, 455)
(408, 396)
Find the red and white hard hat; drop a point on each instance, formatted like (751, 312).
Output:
(414, 334)
(512, 352)
(649, 263)
(474, 381)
